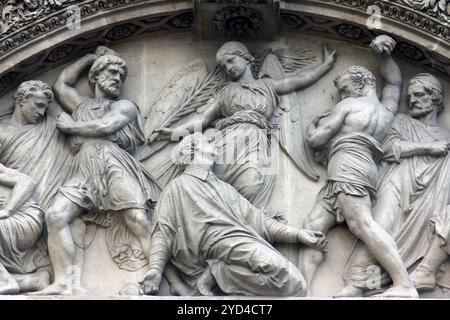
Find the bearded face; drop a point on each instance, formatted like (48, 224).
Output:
(420, 101)
(110, 80)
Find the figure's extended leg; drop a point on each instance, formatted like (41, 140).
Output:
(319, 219)
(35, 281)
(387, 213)
(78, 230)
(138, 221)
(424, 276)
(7, 283)
(60, 244)
(357, 212)
(176, 284)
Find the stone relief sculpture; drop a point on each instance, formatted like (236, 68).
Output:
(24, 262)
(413, 191)
(217, 240)
(30, 142)
(349, 136)
(104, 176)
(245, 110)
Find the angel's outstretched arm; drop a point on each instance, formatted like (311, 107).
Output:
(198, 124)
(64, 87)
(305, 78)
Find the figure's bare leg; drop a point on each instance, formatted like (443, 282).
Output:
(319, 219)
(60, 244)
(424, 276)
(138, 221)
(35, 281)
(385, 213)
(78, 230)
(357, 212)
(176, 285)
(7, 283)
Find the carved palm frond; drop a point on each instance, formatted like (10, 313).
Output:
(196, 98)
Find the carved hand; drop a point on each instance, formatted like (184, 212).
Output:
(151, 281)
(439, 148)
(64, 122)
(383, 45)
(315, 239)
(169, 134)
(102, 50)
(329, 58)
(4, 214)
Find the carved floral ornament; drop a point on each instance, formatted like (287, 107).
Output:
(435, 8)
(17, 13)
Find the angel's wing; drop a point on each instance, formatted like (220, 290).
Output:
(186, 92)
(289, 120)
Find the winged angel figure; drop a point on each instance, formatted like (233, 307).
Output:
(251, 101)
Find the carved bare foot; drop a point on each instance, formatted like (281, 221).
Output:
(399, 292)
(9, 287)
(79, 291)
(206, 283)
(179, 289)
(130, 289)
(34, 281)
(53, 289)
(349, 291)
(423, 279)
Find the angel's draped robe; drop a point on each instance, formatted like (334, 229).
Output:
(413, 199)
(246, 160)
(204, 222)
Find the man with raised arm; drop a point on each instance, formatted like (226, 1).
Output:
(104, 177)
(218, 241)
(350, 136)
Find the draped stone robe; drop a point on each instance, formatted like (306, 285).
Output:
(413, 195)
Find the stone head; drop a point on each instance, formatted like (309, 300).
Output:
(108, 73)
(31, 100)
(196, 149)
(354, 82)
(424, 95)
(234, 59)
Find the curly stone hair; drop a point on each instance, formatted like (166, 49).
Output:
(29, 88)
(360, 77)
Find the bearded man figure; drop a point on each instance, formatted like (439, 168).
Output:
(104, 132)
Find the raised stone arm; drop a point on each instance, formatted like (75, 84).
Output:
(64, 87)
(305, 78)
(22, 189)
(390, 72)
